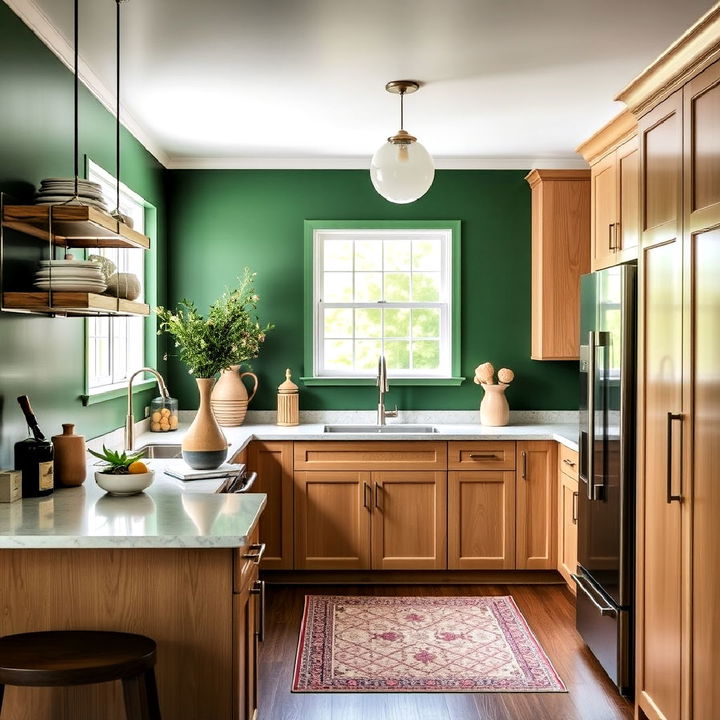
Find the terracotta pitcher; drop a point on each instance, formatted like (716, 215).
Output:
(204, 446)
(494, 408)
(230, 397)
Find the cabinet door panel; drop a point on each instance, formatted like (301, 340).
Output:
(536, 507)
(660, 529)
(409, 521)
(273, 462)
(628, 218)
(604, 211)
(332, 520)
(481, 520)
(567, 527)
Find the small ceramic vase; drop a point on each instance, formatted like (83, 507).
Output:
(494, 408)
(230, 397)
(70, 459)
(204, 446)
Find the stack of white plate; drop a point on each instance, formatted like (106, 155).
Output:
(70, 276)
(57, 191)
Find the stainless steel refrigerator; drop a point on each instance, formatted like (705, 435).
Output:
(606, 502)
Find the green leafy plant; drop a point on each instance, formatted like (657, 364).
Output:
(230, 334)
(116, 463)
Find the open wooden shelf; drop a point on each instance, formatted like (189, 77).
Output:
(72, 303)
(79, 226)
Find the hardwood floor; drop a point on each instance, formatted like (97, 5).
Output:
(548, 609)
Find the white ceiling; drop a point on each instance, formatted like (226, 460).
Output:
(283, 83)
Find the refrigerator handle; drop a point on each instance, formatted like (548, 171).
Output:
(593, 596)
(591, 415)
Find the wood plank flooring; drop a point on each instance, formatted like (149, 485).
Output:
(548, 609)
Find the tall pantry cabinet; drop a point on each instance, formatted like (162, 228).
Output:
(677, 102)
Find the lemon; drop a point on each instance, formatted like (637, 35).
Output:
(137, 467)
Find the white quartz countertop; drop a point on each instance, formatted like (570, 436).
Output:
(239, 437)
(169, 514)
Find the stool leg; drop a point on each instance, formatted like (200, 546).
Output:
(141, 700)
(2, 692)
(152, 696)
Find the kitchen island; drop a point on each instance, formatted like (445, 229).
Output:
(168, 563)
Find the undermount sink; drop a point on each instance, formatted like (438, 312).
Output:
(159, 451)
(381, 429)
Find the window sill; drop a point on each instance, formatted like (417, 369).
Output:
(350, 381)
(98, 396)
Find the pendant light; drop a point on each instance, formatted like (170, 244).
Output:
(402, 170)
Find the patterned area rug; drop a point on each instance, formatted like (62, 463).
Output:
(419, 644)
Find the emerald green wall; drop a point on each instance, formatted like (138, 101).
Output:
(39, 356)
(223, 220)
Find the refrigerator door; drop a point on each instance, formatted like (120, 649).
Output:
(605, 522)
(607, 631)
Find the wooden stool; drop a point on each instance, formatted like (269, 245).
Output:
(74, 657)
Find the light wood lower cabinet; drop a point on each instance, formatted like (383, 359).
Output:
(382, 520)
(245, 652)
(273, 462)
(481, 519)
(536, 530)
(332, 520)
(567, 528)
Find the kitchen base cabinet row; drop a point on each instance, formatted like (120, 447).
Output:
(420, 505)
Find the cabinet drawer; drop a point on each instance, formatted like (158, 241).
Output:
(568, 460)
(481, 455)
(246, 568)
(373, 455)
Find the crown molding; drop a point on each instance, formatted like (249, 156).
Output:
(615, 132)
(363, 163)
(692, 52)
(59, 45)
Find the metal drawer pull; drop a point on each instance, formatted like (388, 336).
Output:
(366, 489)
(483, 456)
(259, 589)
(569, 462)
(611, 227)
(670, 496)
(378, 490)
(575, 507)
(604, 609)
(256, 556)
(523, 474)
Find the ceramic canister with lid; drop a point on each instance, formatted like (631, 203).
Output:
(288, 402)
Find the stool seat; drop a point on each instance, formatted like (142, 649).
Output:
(73, 657)
(84, 657)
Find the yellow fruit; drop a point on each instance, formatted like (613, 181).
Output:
(164, 412)
(173, 421)
(156, 416)
(155, 427)
(137, 467)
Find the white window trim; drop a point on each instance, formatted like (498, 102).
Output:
(118, 388)
(445, 304)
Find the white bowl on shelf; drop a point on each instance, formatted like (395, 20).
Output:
(130, 484)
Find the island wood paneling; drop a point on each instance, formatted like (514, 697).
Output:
(182, 598)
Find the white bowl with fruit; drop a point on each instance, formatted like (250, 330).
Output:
(122, 474)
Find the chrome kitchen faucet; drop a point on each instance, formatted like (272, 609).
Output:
(130, 420)
(383, 387)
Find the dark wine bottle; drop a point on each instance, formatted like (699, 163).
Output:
(34, 456)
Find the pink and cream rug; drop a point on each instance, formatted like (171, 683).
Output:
(419, 644)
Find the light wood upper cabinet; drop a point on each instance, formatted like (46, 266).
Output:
(332, 520)
(536, 499)
(560, 254)
(273, 462)
(481, 519)
(409, 520)
(613, 154)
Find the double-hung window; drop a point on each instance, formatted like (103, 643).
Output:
(116, 345)
(388, 288)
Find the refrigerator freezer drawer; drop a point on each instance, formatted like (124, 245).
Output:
(605, 628)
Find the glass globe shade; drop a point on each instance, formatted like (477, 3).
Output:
(402, 173)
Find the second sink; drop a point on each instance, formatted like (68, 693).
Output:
(159, 451)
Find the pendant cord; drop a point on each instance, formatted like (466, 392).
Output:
(76, 135)
(117, 107)
(402, 109)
